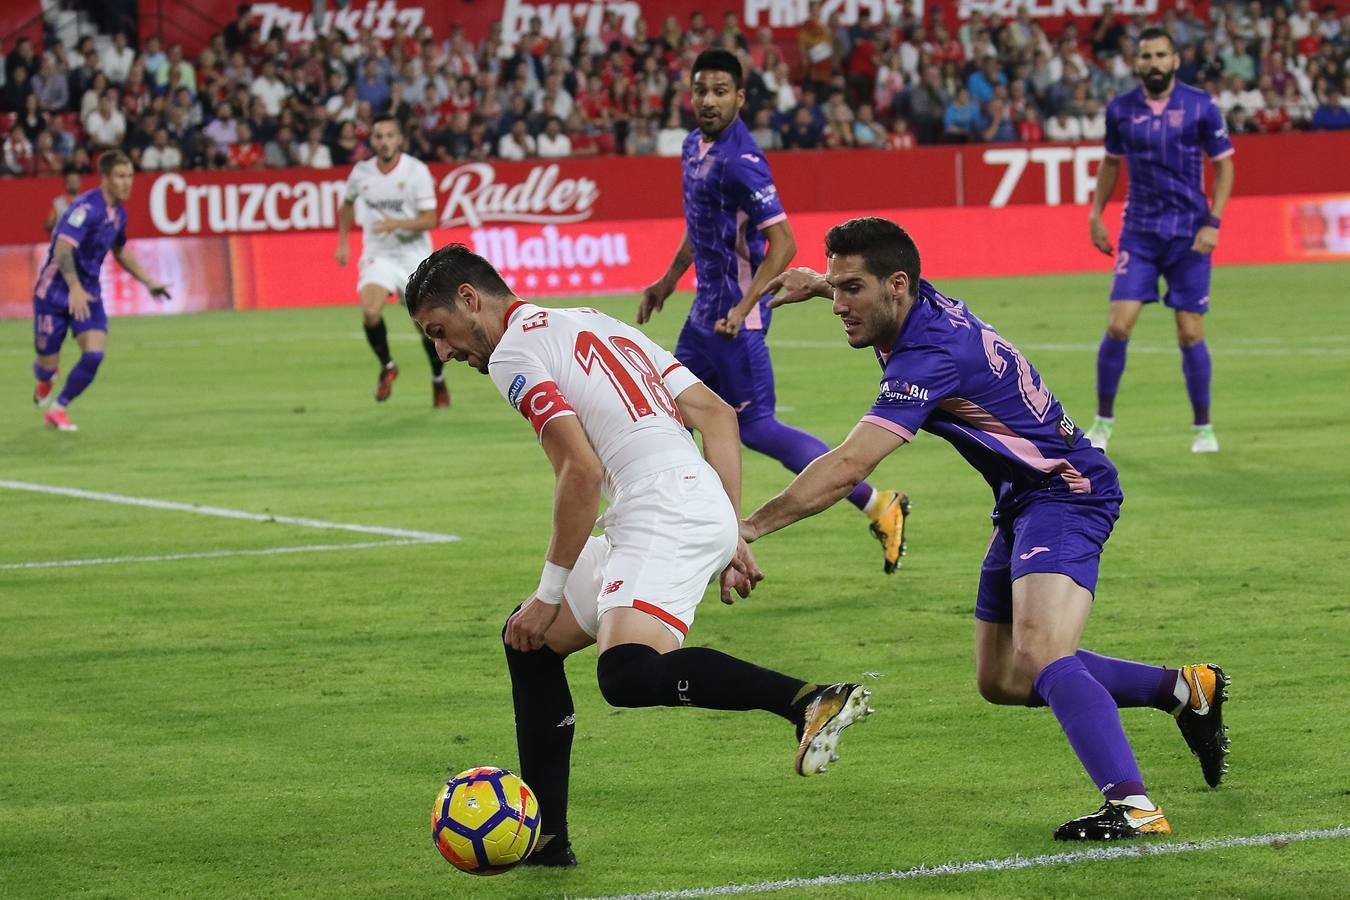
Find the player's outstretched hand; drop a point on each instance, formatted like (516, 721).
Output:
(526, 627)
(741, 574)
(1101, 238)
(1206, 239)
(796, 285)
(159, 291)
(79, 303)
(653, 299)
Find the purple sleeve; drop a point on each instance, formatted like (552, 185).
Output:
(75, 224)
(914, 383)
(754, 190)
(1214, 134)
(1114, 146)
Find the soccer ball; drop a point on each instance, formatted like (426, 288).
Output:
(485, 821)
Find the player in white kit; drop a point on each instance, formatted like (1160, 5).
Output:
(613, 410)
(392, 196)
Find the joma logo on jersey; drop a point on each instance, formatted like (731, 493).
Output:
(902, 390)
(513, 392)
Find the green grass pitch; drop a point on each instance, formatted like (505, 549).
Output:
(278, 725)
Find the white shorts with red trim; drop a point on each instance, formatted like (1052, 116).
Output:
(390, 271)
(665, 537)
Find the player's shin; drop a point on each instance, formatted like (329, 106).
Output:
(636, 675)
(1091, 722)
(1130, 684)
(545, 724)
(81, 376)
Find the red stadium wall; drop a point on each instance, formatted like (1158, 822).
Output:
(579, 227)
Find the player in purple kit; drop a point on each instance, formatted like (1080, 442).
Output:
(67, 296)
(1056, 500)
(1164, 130)
(731, 210)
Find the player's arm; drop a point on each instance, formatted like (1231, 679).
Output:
(782, 247)
(346, 216)
(826, 481)
(1108, 175)
(65, 264)
(655, 294)
(1207, 238)
(576, 503)
(715, 421)
(126, 260)
(425, 220)
(797, 284)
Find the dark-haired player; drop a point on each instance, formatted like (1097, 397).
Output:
(1164, 130)
(612, 411)
(67, 296)
(393, 195)
(1056, 498)
(731, 211)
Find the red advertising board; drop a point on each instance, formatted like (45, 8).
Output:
(297, 18)
(568, 192)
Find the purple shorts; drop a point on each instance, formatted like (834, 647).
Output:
(51, 321)
(1056, 536)
(736, 369)
(1141, 258)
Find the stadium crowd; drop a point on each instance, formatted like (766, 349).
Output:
(249, 100)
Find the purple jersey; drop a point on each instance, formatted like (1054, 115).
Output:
(1165, 143)
(729, 197)
(93, 229)
(953, 376)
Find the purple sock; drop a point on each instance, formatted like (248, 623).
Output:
(1195, 365)
(1091, 722)
(42, 374)
(1110, 366)
(80, 377)
(794, 449)
(1130, 684)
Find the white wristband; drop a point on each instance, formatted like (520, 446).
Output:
(551, 583)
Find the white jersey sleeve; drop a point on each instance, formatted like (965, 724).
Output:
(423, 188)
(522, 378)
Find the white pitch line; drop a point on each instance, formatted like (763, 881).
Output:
(212, 554)
(426, 536)
(1011, 863)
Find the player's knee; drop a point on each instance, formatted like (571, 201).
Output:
(622, 674)
(1002, 688)
(1119, 331)
(1189, 337)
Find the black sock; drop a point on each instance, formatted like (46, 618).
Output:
(636, 675)
(544, 729)
(378, 339)
(437, 366)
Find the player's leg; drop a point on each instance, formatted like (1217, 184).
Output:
(1188, 276)
(374, 290)
(50, 325)
(670, 539)
(748, 386)
(542, 700)
(440, 391)
(92, 336)
(1134, 282)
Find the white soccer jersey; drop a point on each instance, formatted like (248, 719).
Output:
(401, 193)
(618, 382)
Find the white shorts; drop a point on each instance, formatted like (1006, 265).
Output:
(665, 536)
(390, 271)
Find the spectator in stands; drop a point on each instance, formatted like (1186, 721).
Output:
(176, 72)
(270, 89)
(237, 33)
(802, 133)
(106, 126)
(372, 85)
(927, 103)
(670, 139)
(642, 137)
(999, 125)
(517, 143)
(163, 155)
(963, 121)
(867, 131)
(1332, 114)
(553, 143)
(117, 58)
(982, 81)
(279, 152)
(313, 153)
(349, 147)
(22, 55)
(61, 202)
(16, 90)
(223, 130)
(1029, 128)
(1107, 33)
(18, 150)
(1092, 121)
(901, 138)
(31, 118)
(816, 45)
(1063, 126)
(245, 153)
(51, 87)
(46, 161)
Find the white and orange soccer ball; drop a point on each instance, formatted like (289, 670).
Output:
(485, 821)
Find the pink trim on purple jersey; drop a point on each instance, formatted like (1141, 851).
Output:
(898, 430)
(1021, 448)
(1224, 155)
(772, 220)
(68, 239)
